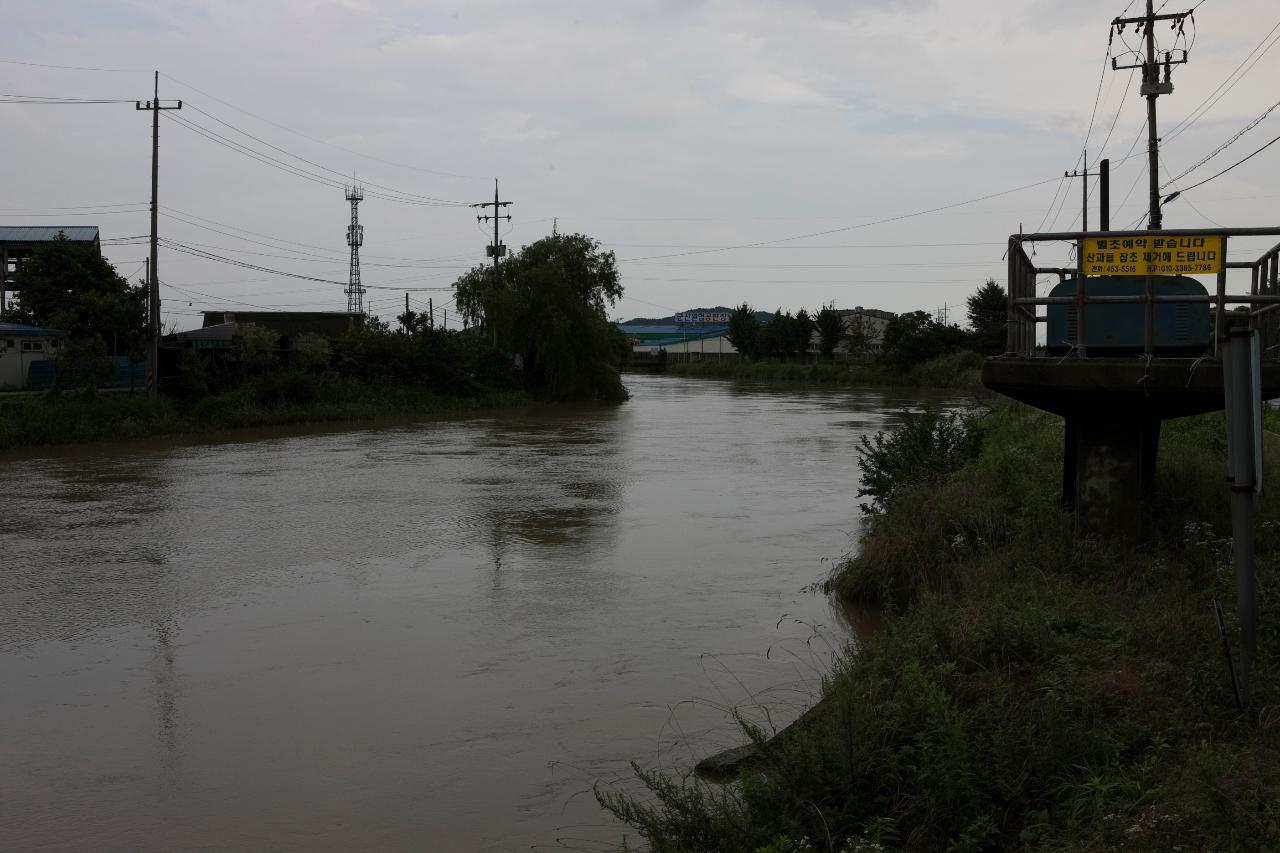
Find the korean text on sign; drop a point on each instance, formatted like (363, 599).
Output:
(1194, 255)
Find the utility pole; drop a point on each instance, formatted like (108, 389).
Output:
(431, 312)
(153, 277)
(1152, 88)
(1084, 174)
(1104, 195)
(496, 249)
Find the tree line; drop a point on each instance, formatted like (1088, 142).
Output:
(540, 326)
(907, 340)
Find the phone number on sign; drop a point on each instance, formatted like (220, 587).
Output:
(1154, 269)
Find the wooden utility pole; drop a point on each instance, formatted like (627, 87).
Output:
(153, 278)
(1152, 88)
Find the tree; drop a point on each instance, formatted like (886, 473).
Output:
(311, 351)
(830, 327)
(550, 308)
(775, 337)
(70, 286)
(801, 334)
(916, 337)
(744, 331)
(858, 338)
(988, 318)
(256, 347)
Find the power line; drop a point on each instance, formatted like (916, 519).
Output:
(321, 166)
(75, 67)
(297, 171)
(1205, 105)
(319, 141)
(882, 221)
(1215, 152)
(1233, 165)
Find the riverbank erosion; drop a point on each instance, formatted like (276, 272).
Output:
(1022, 692)
(77, 418)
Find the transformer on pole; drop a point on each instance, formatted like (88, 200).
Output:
(355, 238)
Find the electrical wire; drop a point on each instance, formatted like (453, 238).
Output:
(887, 219)
(75, 67)
(321, 166)
(297, 171)
(1233, 165)
(319, 141)
(1210, 100)
(1215, 152)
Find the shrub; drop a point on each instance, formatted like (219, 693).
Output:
(924, 448)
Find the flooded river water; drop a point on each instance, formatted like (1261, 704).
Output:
(427, 637)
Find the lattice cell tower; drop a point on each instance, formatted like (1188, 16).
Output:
(355, 237)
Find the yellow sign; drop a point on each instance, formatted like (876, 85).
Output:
(1195, 255)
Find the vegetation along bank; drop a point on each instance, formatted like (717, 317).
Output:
(912, 350)
(1023, 693)
(505, 355)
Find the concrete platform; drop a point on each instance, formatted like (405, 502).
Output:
(1113, 409)
(1160, 388)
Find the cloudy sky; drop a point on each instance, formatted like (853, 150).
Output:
(670, 130)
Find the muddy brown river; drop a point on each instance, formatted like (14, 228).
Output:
(436, 636)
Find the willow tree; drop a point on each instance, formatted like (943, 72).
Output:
(549, 307)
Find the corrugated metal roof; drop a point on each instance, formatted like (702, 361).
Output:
(18, 329)
(45, 233)
(690, 329)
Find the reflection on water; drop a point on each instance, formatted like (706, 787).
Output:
(420, 637)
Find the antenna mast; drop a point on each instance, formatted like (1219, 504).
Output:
(355, 238)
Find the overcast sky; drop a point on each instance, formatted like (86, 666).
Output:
(667, 129)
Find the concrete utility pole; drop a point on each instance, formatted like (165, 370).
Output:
(496, 249)
(1152, 88)
(1084, 174)
(153, 277)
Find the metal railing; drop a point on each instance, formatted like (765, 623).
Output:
(1263, 298)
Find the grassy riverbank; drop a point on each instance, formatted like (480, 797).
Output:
(959, 371)
(1023, 693)
(73, 417)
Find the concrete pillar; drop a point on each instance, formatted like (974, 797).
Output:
(1115, 457)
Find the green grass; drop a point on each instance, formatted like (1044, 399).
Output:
(958, 371)
(1022, 694)
(74, 418)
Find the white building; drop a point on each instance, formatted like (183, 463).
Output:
(22, 346)
(870, 322)
(709, 346)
